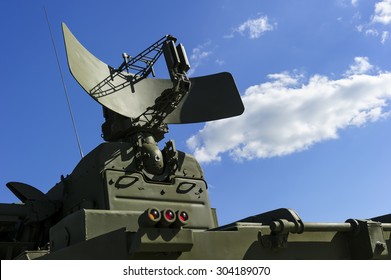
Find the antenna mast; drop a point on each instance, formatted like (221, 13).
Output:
(63, 84)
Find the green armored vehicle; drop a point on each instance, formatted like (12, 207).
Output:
(129, 199)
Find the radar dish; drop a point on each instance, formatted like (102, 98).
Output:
(210, 97)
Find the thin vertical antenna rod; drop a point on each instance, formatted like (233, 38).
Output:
(63, 84)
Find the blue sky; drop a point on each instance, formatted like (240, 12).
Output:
(315, 77)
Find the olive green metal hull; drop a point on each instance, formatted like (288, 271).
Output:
(246, 241)
(98, 212)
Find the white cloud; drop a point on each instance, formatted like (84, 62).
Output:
(284, 115)
(360, 28)
(253, 28)
(382, 12)
(384, 37)
(347, 3)
(198, 55)
(380, 16)
(361, 66)
(220, 62)
(372, 32)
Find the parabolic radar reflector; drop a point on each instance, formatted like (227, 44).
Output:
(210, 97)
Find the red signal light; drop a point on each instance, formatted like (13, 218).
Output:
(183, 216)
(169, 215)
